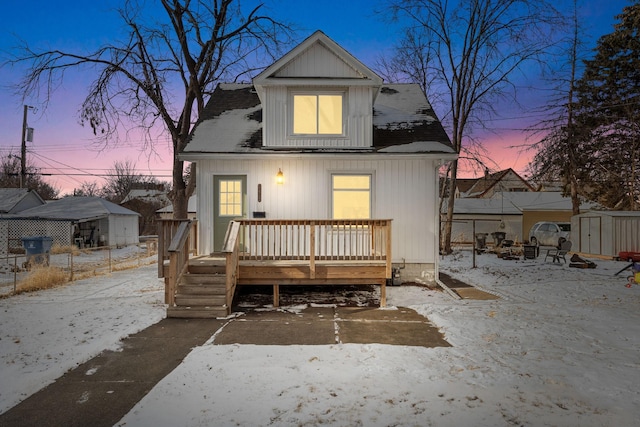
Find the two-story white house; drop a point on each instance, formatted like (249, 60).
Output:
(318, 135)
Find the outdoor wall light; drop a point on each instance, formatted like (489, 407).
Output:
(279, 177)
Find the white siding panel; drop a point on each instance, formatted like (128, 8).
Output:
(318, 61)
(274, 116)
(359, 122)
(360, 117)
(403, 190)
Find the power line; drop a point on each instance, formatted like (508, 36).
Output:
(86, 172)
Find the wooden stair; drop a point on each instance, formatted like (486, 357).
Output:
(201, 292)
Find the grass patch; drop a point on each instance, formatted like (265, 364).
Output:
(59, 249)
(42, 277)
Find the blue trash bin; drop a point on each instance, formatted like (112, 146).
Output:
(37, 249)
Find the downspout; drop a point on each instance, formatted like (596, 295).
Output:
(437, 214)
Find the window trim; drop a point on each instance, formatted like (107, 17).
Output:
(369, 174)
(309, 92)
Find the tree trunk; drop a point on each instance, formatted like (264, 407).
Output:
(452, 197)
(575, 199)
(179, 196)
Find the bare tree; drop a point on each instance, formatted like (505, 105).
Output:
(120, 180)
(10, 171)
(558, 153)
(88, 189)
(163, 72)
(476, 46)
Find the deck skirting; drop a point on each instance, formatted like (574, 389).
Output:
(279, 272)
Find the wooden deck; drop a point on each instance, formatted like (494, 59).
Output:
(281, 253)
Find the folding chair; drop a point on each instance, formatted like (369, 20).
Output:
(559, 253)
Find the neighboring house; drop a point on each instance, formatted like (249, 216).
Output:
(91, 220)
(511, 212)
(463, 185)
(345, 145)
(14, 200)
(167, 211)
(146, 202)
(503, 181)
(154, 196)
(484, 216)
(546, 206)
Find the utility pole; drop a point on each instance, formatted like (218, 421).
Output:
(23, 155)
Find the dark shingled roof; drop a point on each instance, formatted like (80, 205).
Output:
(401, 116)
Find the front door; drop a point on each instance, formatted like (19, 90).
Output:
(229, 202)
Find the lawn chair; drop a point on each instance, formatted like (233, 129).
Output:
(559, 253)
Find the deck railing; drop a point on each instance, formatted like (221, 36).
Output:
(178, 250)
(167, 229)
(232, 262)
(316, 240)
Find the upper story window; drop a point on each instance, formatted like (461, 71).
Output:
(318, 114)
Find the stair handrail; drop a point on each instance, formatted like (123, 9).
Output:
(166, 231)
(178, 259)
(231, 250)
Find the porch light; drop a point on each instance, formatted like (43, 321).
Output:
(279, 177)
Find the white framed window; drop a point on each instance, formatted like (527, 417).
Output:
(351, 196)
(230, 198)
(318, 114)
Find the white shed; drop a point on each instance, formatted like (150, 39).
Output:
(606, 232)
(97, 221)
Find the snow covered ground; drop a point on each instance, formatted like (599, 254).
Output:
(559, 348)
(44, 334)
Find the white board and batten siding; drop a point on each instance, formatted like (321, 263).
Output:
(358, 126)
(306, 194)
(317, 62)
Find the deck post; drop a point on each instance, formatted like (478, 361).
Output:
(276, 295)
(383, 293)
(312, 250)
(389, 268)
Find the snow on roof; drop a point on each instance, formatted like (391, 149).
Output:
(402, 118)
(489, 206)
(9, 197)
(400, 106)
(541, 201)
(232, 129)
(515, 203)
(617, 214)
(76, 209)
(147, 195)
(419, 147)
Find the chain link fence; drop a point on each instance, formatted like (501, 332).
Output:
(76, 263)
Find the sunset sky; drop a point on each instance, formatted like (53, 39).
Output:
(64, 149)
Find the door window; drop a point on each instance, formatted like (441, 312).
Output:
(230, 198)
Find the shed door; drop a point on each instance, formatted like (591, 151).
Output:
(590, 235)
(229, 202)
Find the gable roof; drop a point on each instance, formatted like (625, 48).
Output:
(315, 60)
(488, 182)
(10, 198)
(515, 203)
(403, 122)
(77, 209)
(465, 184)
(192, 204)
(147, 195)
